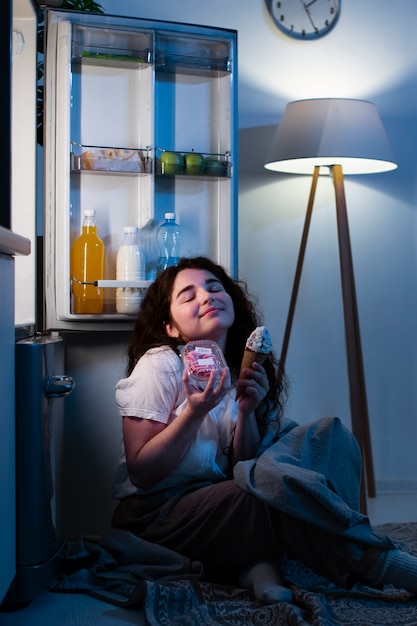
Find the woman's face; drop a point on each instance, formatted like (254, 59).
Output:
(200, 308)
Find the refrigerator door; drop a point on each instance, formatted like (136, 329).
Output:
(120, 93)
(23, 155)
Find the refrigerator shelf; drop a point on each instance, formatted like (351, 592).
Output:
(223, 170)
(211, 165)
(111, 160)
(112, 60)
(113, 284)
(109, 311)
(111, 48)
(102, 319)
(172, 63)
(192, 54)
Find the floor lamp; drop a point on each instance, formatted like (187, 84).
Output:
(335, 136)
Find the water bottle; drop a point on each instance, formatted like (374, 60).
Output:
(130, 265)
(87, 266)
(169, 236)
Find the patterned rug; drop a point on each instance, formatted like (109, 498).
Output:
(317, 602)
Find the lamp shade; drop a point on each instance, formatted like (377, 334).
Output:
(330, 131)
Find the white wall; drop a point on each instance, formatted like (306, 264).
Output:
(370, 54)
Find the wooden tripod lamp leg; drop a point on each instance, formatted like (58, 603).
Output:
(358, 402)
(298, 270)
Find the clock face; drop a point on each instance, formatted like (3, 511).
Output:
(304, 19)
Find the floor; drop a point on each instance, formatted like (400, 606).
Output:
(58, 609)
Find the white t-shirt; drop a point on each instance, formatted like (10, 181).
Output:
(155, 391)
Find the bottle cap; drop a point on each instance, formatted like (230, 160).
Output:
(130, 229)
(89, 213)
(170, 216)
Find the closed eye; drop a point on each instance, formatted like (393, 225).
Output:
(215, 287)
(188, 293)
(187, 296)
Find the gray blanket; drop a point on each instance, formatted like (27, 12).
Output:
(312, 472)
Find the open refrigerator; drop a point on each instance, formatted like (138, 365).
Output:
(119, 93)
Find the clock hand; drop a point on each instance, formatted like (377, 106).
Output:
(305, 6)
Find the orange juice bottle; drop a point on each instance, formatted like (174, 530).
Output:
(87, 265)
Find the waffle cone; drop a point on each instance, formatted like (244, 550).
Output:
(248, 359)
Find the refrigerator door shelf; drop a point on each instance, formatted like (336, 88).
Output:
(114, 284)
(113, 160)
(131, 284)
(111, 60)
(114, 48)
(109, 314)
(200, 165)
(203, 56)
(191, 65)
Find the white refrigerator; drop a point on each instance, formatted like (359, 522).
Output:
(113, 88)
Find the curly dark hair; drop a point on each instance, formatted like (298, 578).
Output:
(149, 331)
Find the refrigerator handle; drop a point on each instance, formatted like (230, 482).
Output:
(57, 386)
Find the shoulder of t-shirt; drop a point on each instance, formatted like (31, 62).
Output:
(161, 357)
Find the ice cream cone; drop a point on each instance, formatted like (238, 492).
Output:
(248, 359)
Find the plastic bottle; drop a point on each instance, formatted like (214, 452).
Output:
(169, 237)
(130, 265)
(87, 266)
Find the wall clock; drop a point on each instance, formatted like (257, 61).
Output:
(304, 19)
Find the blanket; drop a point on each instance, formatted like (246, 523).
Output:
(169, 589)
(313, 473)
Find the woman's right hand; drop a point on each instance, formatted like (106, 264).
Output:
(201, 402)
(154, 450)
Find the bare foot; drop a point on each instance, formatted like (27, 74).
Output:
(264, 580)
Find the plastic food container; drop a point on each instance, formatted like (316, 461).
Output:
(112, 160)
(200, 358)
(99, 159)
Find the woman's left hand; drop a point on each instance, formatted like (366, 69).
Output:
(253, 390)
(254, 387)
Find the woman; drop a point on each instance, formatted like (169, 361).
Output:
(226, 482)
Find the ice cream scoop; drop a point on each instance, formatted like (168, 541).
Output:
(258, 346)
